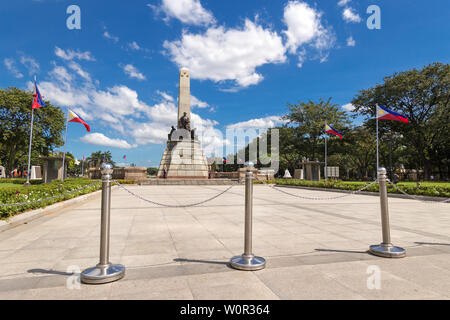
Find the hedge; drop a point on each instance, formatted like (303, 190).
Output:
(434, 190)
(22, 194)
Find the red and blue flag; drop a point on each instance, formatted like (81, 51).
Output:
(330, 130)
(38, 101)
(386, 114)
(73, 117)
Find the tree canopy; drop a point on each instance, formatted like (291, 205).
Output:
(96, 158)
(422, 145)
(15, 119)
(423, 96)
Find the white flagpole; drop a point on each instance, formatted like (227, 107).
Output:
(378, 161)
(326, 151)
(31, 139)
(65, 142)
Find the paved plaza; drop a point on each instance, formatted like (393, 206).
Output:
(314, 249)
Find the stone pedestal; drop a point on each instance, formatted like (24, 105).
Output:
(183, 159)
(298, 174)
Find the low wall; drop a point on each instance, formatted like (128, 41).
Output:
(128, 173)
(224, 175)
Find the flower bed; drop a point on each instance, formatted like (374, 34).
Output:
(426, 189)
(57, 189)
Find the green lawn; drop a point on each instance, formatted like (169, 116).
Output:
(7, 185)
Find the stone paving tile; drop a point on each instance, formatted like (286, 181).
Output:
(314, 249)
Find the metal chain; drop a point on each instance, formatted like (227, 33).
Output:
(46, 199)
(412, 196)
(168, 205)
(327, 198)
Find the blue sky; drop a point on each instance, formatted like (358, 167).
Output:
(248, 59)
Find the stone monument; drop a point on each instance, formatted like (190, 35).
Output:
(183, 157)
(52, 168)
(2, 172)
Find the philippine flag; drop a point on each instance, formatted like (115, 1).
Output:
(330, 130)
(386, 114)
(73, 117)
(38, 101)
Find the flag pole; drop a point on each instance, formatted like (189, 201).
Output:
(31, 138)
(82, 167)
(378, 161)
(65, 142)
(326, 152)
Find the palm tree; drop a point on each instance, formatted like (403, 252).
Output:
(96, 158)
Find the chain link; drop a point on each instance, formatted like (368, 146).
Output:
(168, 205)
(318, 198)
(46, 199)
(413, 196)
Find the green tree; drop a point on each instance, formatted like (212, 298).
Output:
(15, 121)
(310, 118)
(96, 158)
(421, 95)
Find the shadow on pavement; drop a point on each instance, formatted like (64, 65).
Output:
(60, 273)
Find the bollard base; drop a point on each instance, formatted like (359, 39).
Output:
(387, 251)
(101, 274)
(248, 263)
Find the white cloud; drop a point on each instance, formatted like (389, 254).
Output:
(77, 68)
(343, 2)
(134, 46)
(99, 139)
(71, 54)
(228, 54)
(187, 11)
(198, 103)
(351, 42)
(10, 64)
(133, 72)
(118, 100)
(350, 16)
(348, 107)
(305, 27)
(61, 74)
(107, 35)
(29, 63)
(260, 123)
(165, 96)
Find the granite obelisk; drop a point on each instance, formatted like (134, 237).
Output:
(184, 95)
(183, 157)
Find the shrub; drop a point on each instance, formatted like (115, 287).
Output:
(435, 190)
(22, 194)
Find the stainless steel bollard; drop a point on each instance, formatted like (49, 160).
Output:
(385, 249)
(105, 271)
(247, 261)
